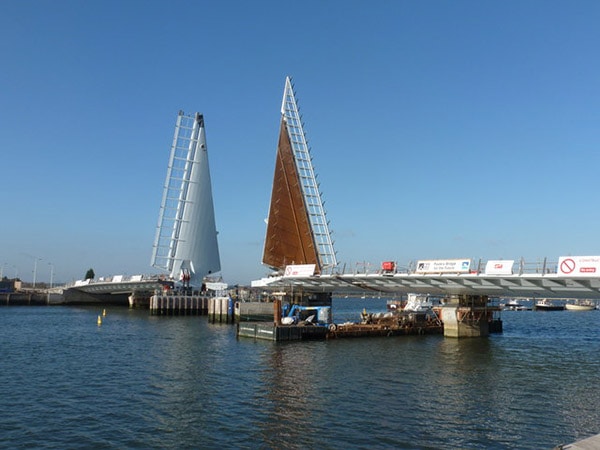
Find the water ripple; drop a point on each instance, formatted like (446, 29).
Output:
(140, 381)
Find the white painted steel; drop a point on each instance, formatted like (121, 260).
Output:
(186, 237)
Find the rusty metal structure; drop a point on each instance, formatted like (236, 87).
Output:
(297, 227)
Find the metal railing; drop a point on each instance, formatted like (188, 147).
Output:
(520, 267)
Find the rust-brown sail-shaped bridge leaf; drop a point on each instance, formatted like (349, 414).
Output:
(297, 227)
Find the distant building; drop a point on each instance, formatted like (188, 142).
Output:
(10, 285)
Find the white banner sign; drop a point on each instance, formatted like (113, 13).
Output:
(299, 270)
(579, 266)
(500, 267)
(216, 286)
(444, 266)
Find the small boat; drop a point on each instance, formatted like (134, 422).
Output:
(580, 305)
(514, 305)
(546, 305)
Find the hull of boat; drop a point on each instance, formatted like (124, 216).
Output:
(571, 307)
(548, 308)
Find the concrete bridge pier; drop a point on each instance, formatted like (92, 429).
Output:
(469, 316)
(139, 299)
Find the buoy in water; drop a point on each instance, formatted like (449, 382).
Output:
(99, 320)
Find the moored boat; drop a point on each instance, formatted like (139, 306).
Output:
(580, 305)
(546, 305)
(514, 305)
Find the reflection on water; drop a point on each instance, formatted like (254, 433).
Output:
(142, 381)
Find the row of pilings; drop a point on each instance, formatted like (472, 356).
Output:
(218, 309)
(25, 298)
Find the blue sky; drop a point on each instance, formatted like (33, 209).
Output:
(439, 129)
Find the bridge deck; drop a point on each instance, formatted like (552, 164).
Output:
(550, 285)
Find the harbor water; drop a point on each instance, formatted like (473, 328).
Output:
(139, 381)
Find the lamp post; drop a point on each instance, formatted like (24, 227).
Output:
(2, 271)
(36, 259)
(51, 274)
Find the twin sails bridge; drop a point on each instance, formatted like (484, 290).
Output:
(298, 246)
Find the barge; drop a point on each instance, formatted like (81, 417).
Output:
(400, 323)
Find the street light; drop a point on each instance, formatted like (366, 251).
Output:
(51, 274)
(36, 259)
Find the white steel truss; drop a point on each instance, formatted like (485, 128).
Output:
(186, 237)
(310, 188)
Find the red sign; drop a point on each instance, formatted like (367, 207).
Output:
(567, 266)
